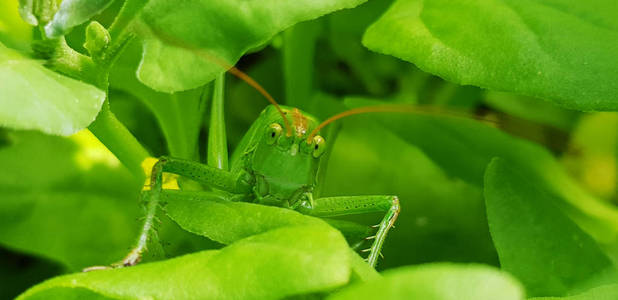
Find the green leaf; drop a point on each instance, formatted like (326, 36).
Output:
(72, 13)
(441, 281)
(224, 221)
(34, 97)
(361, 271)
(282, 262)
(221, 31)
(464, 148)
(559, 50)
(66, 200)
(606, 292)
(536, 242)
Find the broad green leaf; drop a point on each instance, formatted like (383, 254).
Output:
(72, 13)
(606, 292)
(224, 221)
(190, 43)
(464, 148)
(33, 97)
(441, 281)
(559, 50)
(536, 242)
(361, 271)
(279, 263)
(66, 200)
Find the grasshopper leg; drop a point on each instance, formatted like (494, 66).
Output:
(211, 176)
(349, 205)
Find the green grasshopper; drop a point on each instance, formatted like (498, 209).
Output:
(276, 163)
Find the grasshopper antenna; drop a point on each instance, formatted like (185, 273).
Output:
(391, 108)
(250, 81)
(230, 68)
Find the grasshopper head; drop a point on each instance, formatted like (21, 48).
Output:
(285, 164)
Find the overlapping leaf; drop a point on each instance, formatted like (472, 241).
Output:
(191, 42)
(535, 241)
(224, 221)
(282, 262)
(33, 97)
(560, 50)
(437, 282)
(72, 13)
(464, 148)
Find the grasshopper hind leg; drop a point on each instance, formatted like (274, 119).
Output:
(350, 205)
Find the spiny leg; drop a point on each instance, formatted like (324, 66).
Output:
(220, 179)
(348, 205)
(214, 174)
(152, 201)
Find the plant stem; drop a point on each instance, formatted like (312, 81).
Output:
(115, 49)
(117, 138)
(129, 10)
(298, 57)
(106, 127)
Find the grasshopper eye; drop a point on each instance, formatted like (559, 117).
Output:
(273, 133)
(319, 145)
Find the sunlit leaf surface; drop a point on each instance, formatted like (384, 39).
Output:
(33, 97)
(560, 50)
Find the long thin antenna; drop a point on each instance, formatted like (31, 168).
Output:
(231, 69)
(246, 78)
(397, 108)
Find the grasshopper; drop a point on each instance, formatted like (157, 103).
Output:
(276, 163)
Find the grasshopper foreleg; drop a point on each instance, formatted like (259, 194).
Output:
(214, 177)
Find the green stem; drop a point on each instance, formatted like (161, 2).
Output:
(117, 138)
(217, 155)
(63, 59)
(298, 56)
(129, 10)
(107, 128)
(115, 49)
